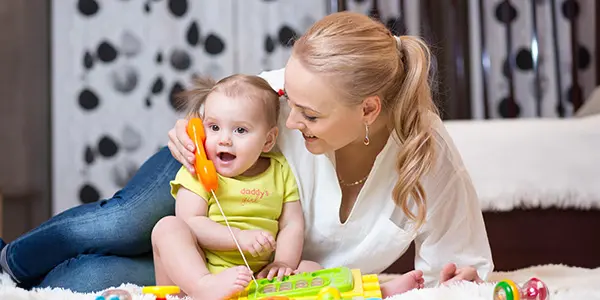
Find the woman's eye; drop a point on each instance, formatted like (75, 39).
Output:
(240, 130)
(309, 118)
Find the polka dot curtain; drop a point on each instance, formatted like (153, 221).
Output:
(117, 64)
(532, 58)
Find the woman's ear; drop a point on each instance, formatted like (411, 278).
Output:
(371, 108)
(271, 139)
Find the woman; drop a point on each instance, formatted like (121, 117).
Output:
(375, 168)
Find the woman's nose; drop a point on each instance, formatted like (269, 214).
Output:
(292, 123)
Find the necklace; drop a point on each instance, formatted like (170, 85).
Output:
(342, 182)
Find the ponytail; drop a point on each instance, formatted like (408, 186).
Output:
(411, 108)
(195, 97)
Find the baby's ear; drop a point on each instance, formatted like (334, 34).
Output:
(271, 139)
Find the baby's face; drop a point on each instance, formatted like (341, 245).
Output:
(237, 132)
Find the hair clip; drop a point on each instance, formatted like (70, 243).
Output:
(280, 92)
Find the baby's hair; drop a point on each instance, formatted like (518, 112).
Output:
(237, 85)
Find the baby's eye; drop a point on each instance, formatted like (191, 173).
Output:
(241, 130)
(214, 127)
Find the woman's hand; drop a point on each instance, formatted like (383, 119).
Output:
(451, 273)
(181, 146)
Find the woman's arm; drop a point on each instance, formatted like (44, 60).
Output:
(454, 233)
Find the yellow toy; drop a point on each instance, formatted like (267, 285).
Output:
(329, 284)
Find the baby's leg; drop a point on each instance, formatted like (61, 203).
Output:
(308, 266)
(179, 261)
(403, 283)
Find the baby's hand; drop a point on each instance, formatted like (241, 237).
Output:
(256, 241)
(275, 268)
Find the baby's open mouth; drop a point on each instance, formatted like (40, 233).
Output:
(225, 156)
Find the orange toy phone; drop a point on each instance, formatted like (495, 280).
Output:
(205, 168)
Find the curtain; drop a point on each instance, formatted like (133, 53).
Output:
(531, 58)
(117, 64)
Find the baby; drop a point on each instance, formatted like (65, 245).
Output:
(257, 192)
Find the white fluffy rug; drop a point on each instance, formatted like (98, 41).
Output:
(564, 283)
(532, 163)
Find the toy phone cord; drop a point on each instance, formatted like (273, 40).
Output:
(236, 242)
(227, 223)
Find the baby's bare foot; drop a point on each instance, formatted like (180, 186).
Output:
(222, 285)
(404, 283)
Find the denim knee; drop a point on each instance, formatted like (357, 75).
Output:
(93, 273)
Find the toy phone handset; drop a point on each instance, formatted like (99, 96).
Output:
(205, 168)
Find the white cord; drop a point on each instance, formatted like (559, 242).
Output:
(231, 231)
(236, 242)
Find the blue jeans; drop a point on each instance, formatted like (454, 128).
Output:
(98, 245)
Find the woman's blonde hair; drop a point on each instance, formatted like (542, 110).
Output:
(362, 58)
(237, 85)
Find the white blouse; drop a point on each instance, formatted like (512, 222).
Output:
(377, 232)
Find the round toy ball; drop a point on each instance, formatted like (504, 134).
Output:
(329, 293)
(534, 289)
(506, 290)
(116, 294)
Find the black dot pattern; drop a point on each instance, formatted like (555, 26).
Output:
(192, 35)
(88, 100)
(509, 108)
(88, 8)
(558, 94)
(174, 98)
(178, 7)
(135, 68)
(88, 60)
(107, 147)
(505, 12)
(584, 58)
(214, 44)
(88, 193)
(524, 59)
(269, 44)
(107, 52)
(158, 86)
(286, 36)
(180, 60)
(89, 155)
(570, 9)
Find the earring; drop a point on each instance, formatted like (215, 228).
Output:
(366, 140)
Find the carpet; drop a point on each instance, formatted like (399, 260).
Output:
(563, 282)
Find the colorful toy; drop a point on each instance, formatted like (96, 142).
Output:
(115, 294)
(161, 292)
(533, 289)
(329, 284)
(205, 168)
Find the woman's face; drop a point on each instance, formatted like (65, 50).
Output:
(326, 122)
